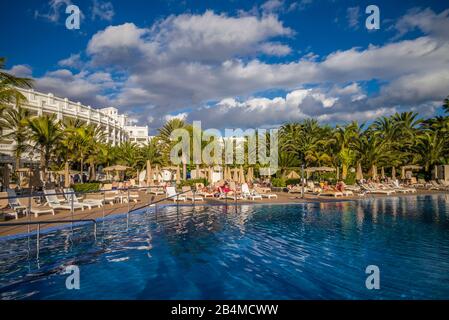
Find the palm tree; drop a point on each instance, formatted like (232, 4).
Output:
(344, 137)
(45, 134)
(151, 152)
(446, 105)
(8, 86)
(15, 121)
(432, 147)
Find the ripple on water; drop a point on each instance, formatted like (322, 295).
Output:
(308, 251)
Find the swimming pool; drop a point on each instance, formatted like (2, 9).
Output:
(301, 251)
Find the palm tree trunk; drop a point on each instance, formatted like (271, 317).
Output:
(42, 165)
(17, 161)
(344, 171)
(82, 165)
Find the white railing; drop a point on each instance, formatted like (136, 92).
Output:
(38, 101)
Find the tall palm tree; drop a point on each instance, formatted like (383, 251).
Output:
(45, 134)
(432, 148)
(15, 121)
(446, 105)
(8, 86)
(344, 137)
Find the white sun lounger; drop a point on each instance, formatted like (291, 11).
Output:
(54, 203)
(265, 194)
(171, 192)
(250, 194)
(69, 192)
(189, 194)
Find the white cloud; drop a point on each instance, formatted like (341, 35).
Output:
(353, 15)
(272, 6)
(103, 10)
(21, 70)
(186, 61)
(425, 20)
(53, 11)
(73, 61)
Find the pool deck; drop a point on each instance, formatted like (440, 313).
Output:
(110, 210)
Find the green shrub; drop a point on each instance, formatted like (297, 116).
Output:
(86, 187)
(350, 178)
(278, 182)
(292, 181)
(192, 182)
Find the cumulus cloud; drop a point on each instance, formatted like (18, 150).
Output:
(73, 61)
(102, 10)
(53, 10)
(21, 70)
(187, 61)
(353, 15)
(88, 88)
(425, 20)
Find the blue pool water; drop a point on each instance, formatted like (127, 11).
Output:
(305, 251)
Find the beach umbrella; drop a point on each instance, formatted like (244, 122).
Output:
(242, 175)
(211, 174)
(293, 175)
(374, 172)
(235, 177)
(393, 173)
(250, 175)
(66, 175)
(226, 174)
(197, 172)
(435, 170)
(403, 173)
(178, 174)
(382, 173)
(359, 172)
(157, 173)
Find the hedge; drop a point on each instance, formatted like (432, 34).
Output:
(192, 182)
(86, 187)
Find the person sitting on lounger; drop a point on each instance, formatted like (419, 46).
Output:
(340, 186)
(225, 188)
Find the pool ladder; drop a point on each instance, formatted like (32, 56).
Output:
(38, 223)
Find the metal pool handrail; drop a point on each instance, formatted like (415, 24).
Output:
(38, 223)
(150, 203)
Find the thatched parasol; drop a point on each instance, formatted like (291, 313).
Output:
(157, 173)
(211, 174)
(393, 173)
(241, 175)
(374, 172)
(382, 173)
(293, 175)
(250, 175)
(235, 176)
(178, 174)
(359, 172)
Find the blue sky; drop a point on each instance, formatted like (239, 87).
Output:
(235, 63)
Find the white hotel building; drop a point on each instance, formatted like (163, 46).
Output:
(115, 124)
